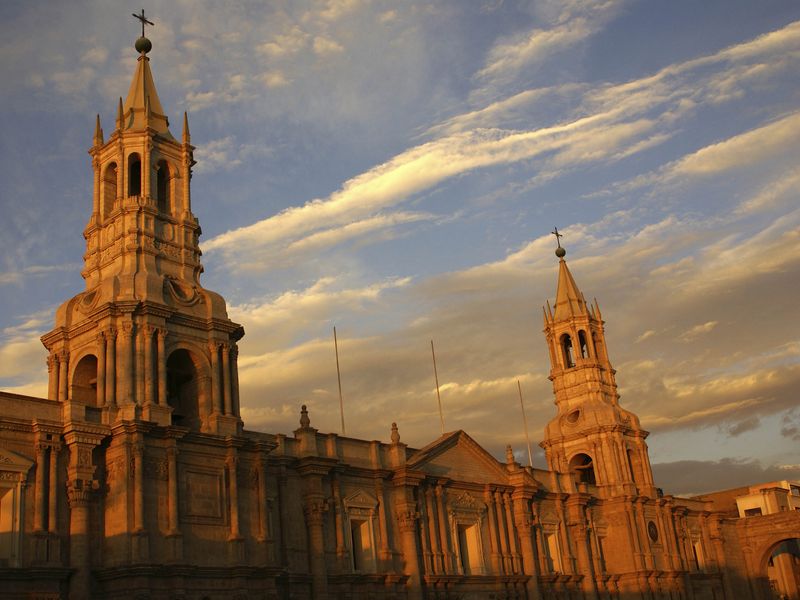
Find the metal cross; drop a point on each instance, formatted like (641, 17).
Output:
(558, 236)
(143, 20)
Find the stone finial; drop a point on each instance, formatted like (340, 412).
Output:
(510, 455)
(187, 137)
(395, 434)
(305, 422)
(119, 114)
(98, 133)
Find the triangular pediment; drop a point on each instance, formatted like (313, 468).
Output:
(11, 461)
(458, 457)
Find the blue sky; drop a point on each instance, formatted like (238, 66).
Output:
(395, 168)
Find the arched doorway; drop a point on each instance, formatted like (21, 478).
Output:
(582, 467)
(109, 189)
(783, 569)
(184, 389)
(163, 188)
(84, 381)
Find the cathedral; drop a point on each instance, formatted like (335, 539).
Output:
(136, 477)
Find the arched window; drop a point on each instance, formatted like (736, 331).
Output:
(134, 175)
(566, 347)
(582, 467)
(84, 381)
(183, 388)
(582, 343)
(162, 187)
(109, 189)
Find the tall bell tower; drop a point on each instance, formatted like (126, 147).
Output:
(144, 340)
(592, 436)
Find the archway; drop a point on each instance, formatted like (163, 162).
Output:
(184, 389)
(109, 189)
(84, 381)
(162, 187)
(582, 467)
(134, 175)
(783, 569)
(567, 351)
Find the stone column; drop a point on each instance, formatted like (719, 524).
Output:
(39, 491)
(385, 553)
(80, 485)
(341, 547)
(138, 490)
(437, 553)
(512, 538)
(172, 502)
(313, 509)
(79, 496)
(581, 537)
(232, 462)
(52, 379)
(524, 525)
(494, 538)
(111, 367)
(447, 555)
(226, 379)
(63, 375)
(162, 366)
(235, 379)
(407, 523)
(502, 532)
(52, 504)
(425, 534)
(216, 401)
(137, 387)
(149, 392)
(101, 369)
(125, 391)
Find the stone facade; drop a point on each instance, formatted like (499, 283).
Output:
(136, 479)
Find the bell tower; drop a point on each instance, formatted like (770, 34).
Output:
(144, 340)
(592, 436)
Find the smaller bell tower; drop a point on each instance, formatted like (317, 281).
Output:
(592, 436)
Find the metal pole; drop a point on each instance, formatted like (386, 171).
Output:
(438, 396)
(339, 377)
(525, 421)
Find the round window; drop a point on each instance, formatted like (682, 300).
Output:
(652, 531)
(574, 416)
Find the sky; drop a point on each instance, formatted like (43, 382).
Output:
(395, 169)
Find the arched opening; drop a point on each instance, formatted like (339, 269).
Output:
(84, 381)
(183, 388)
(582, 343)
(567, 351)
(582, 468)
(134, 175)
(109, 189)
(783, 569)
(162, 187)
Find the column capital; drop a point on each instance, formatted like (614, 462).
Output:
(162, 332)
(407, 518)
(214, 345)
(314, 510)
(63, 356)
(52, 362)
(110, 333)
(127, 328)
(150, 329)
(42, 447)
(234, 350)
(79, 492)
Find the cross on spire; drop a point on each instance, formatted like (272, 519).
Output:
(558, 236)
(144, 21)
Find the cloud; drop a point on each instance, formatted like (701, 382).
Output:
(325, 46)
(698, 330)
(695, 477)
(35, 271)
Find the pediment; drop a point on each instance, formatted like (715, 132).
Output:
(11, 461)
(458, 457)
(361, 499)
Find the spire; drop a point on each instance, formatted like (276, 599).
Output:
(98, 133)
(569, 299)
(187, 138)
(120, 118)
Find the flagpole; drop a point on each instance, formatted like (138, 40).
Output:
(525, 421)
(339, 377)
(438, 396)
